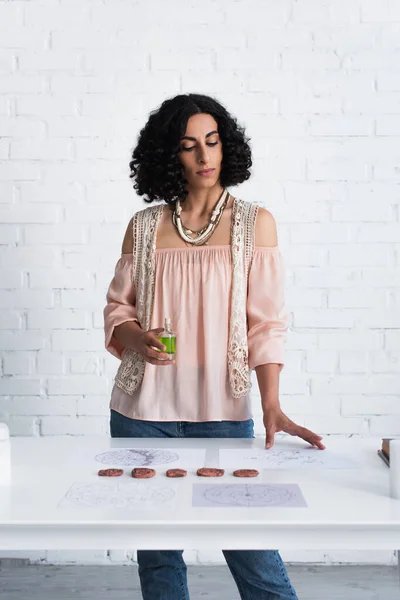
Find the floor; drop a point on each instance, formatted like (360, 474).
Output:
(44, 582)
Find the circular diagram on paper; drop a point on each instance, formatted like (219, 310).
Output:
(112, 494)
(248, 495)
(138, 457)
(303, 458)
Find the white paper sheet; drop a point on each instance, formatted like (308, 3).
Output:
(284, 458)
(246, 495)
(122, 495)
(152, 457)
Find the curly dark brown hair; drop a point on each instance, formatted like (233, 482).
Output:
(155, 165)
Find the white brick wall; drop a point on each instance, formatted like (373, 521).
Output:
(318, 86)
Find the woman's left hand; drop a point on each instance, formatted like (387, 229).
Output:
(275, 420)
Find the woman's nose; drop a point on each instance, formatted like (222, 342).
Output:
(203, 155)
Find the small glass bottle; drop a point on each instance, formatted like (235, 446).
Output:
(168, 338)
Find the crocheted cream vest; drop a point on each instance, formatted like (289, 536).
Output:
(145, 223)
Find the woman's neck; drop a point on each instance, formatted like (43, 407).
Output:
(199, 203)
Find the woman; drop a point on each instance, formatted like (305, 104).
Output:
(216, 275)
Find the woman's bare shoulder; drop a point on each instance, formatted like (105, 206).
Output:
(127, 244)
(266, 233)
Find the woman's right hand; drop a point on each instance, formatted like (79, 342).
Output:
(147, 345)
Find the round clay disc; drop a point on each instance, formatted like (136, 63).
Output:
(246, 473)
(110, 472)
(176, 473)
(209, 472)
(141, 473)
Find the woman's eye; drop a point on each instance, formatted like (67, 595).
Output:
(192, 147)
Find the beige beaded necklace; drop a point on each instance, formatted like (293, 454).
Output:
(204, 234)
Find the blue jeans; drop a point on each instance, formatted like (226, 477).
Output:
(259, 574)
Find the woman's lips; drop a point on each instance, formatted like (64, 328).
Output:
(205, 173)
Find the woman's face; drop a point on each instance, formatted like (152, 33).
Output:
(201, 149)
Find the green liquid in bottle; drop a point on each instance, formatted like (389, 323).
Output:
(168, 338)
(169, 343)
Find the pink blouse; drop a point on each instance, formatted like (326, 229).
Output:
(193, 288)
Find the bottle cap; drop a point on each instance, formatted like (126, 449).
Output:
(167, 323)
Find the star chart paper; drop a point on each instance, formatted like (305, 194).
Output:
(284, 458)
(151, 457)
(248, 495)
(121, 495)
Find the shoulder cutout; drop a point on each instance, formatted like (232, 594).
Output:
(127, 244)
(266, 234)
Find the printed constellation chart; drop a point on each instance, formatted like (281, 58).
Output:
(284, 458)
(139, 457)
(248, 495)
(119, 494)
(149, 457)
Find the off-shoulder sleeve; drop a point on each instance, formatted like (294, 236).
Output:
(267, 315)
(120, 307)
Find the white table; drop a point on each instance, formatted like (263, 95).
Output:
(347, 509)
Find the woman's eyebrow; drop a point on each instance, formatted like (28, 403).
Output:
(188, 137)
